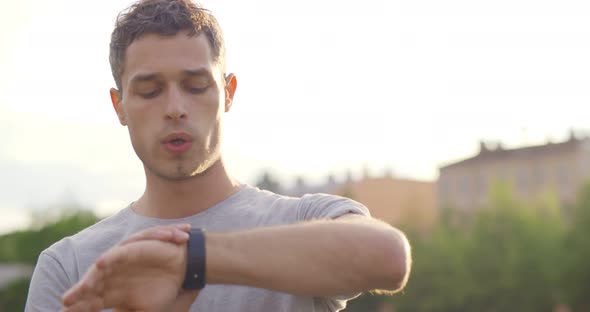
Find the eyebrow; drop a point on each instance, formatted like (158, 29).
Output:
(197, 72)
(187, 72)
(142, 78)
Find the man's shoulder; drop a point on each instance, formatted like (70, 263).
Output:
(306, 206)
(329, 206)
(268, 195)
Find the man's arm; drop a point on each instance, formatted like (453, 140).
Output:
(318, 258)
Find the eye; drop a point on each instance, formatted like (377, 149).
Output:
(149, 95)
(197, 90)
(196, 85)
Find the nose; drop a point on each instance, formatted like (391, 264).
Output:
(176, 104)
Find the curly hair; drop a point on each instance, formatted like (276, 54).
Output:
(167, 18)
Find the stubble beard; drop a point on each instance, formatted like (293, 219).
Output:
(186, 168)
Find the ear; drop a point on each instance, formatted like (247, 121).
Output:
(116, 100)
(231, 84)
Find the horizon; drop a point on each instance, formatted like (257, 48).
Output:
(22, 220)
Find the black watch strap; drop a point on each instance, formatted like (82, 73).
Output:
(195, 260)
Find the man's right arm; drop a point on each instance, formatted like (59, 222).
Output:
(48, 284)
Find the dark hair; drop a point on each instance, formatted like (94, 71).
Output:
(163, 17)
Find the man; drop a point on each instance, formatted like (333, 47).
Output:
(248, 249)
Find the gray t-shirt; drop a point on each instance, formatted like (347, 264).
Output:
(60, 266)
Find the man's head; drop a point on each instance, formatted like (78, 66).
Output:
(167, 58)
(166, 18)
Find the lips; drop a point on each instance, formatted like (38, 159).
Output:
(177, 142)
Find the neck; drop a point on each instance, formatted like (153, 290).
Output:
(167, 199)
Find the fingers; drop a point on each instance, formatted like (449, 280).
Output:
(74, 294)
(89, 305)
(92, 289)
(87, 288)
(176, 233)
(126, 270)
(118, 256)
(126, 277)
(122, 259)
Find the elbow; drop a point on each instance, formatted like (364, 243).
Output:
(395, 260)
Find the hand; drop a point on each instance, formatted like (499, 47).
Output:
(144, 273)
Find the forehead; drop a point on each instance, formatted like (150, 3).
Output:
(167, 55)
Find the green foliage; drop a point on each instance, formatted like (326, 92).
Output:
(576, 254)
(509, 256)
(14, 296)
(25, 246)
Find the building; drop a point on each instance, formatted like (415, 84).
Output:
(559, 168)
(395, 201)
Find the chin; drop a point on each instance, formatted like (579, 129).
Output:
(183, 169)
(172, 172)
(182, 172)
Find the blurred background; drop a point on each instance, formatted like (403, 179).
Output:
(463, 123)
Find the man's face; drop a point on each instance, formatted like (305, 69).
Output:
(172, 102)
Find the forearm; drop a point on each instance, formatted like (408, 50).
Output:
(320, 258)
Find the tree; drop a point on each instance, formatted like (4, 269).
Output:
(505, 257)
(14, 296)
(576, 254)
(267, 182)
(25, 247)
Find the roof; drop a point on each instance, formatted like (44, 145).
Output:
(529, 152)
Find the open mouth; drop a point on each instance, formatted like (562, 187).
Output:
(178, 141)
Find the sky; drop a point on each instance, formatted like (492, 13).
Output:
(324, 87)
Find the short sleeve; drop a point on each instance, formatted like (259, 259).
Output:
(325, 206)
(48, 284)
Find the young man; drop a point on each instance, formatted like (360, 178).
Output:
(254, 250)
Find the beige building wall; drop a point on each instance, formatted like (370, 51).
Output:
(396, 201)
(560, 168)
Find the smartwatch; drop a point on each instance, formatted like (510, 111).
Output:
(195, 260)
